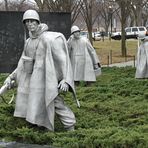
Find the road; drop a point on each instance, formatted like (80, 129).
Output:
(122, 64)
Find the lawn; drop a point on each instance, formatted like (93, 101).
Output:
(113, 114)
(106, 48)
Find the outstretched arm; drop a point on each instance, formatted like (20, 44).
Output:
(93, 54)
(61, 61)
(10, 78)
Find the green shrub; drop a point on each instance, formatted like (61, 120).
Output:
(113, 114)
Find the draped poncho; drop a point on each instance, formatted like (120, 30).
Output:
(36, 91)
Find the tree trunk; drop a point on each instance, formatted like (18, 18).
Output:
(90, 33)
(123, 25)
(6, 5)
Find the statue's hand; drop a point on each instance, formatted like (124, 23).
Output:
(96, 66)
(63, 86)
(8, 82)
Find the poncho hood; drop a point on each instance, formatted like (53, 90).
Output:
(42, 28)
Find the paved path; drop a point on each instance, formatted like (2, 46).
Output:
(21, 145)
(122, 64)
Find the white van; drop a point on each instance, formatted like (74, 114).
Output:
(133, 32)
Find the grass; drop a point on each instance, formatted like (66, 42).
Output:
(106, 48)
(113, 114)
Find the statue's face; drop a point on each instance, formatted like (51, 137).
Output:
(32, 25)
(76, 35)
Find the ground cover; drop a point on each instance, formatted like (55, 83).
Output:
(106, 48)
(113, 114)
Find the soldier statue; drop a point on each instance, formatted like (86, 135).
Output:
(85, 62)
(43, 70)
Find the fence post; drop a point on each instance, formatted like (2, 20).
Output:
(110, 56)
(125, 58)
(134, 61)
(108, 60)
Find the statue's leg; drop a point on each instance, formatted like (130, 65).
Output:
(65, 114)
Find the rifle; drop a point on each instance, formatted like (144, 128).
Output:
(4, 88)
(75, 98)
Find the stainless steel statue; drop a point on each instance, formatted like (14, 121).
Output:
(85, 62)
(43, 69)
(142, 58)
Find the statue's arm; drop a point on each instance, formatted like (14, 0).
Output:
(10, 78)
(93, 54)
(69, 45)
(60, 55)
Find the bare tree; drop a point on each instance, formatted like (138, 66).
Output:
(42, 5)
(6, 5)
(124, 6)
(15, 5)
(129, 8)
(1, 6)
(75, 9)
(105, 14)
(145, 13)
(89, 13)
(54, 5)
(137, 9)
(61, 5)
(72, 6)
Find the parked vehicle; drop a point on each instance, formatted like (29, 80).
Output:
(116, 35)
(96, 36)
(84, 34)
(131, 33)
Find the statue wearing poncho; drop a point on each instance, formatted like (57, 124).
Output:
(38, 78)
(142, 59)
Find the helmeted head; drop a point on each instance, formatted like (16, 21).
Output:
(31, 15)
(74, 29)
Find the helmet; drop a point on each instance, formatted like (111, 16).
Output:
(74, 29)
(31, 14)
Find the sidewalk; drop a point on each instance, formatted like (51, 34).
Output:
(123, 64)
(21, 145)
